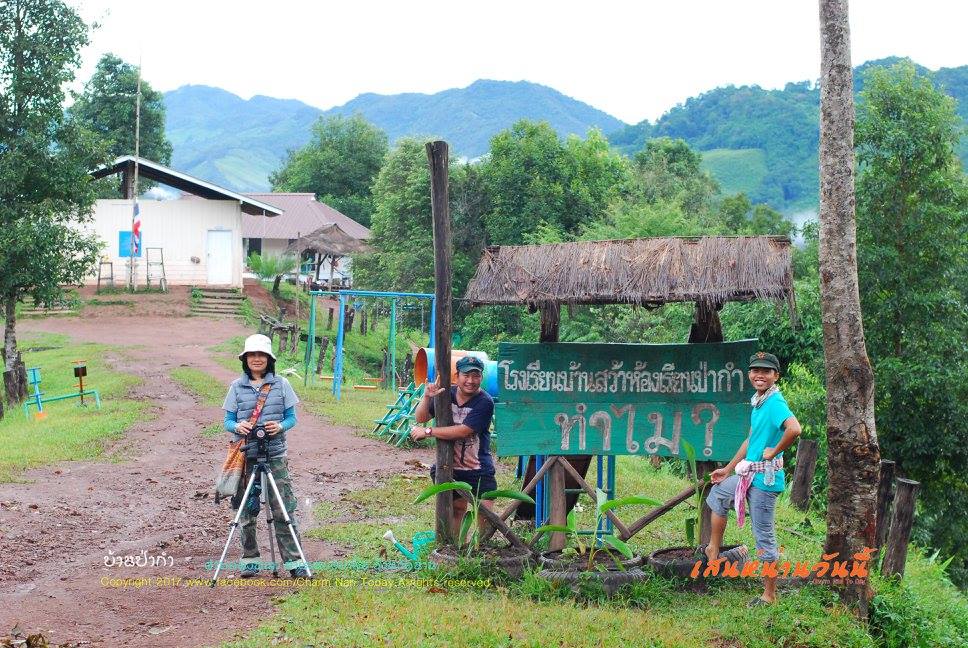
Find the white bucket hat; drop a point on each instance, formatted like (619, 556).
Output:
(260, 343)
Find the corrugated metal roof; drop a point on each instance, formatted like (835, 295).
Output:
(251, 207)
(301, 215)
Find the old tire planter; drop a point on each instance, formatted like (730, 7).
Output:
(671, 562)
(553, 560)
(513, 565)
(611, 579)
(564, 570)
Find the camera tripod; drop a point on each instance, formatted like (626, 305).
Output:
(266, 479)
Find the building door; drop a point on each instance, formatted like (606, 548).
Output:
(218, 257)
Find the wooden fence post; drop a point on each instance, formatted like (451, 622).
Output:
(322, 355)
(329, 319)
(885, 494)
(803, 473)
(438, 157)
(895, 556)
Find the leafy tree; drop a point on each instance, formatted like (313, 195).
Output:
(533, 178)
(45, 192)
(402, 228)
(339, 165)
(107, 107)
(913, 240)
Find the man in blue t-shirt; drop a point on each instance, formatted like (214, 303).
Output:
(759, 469)
(472, 409)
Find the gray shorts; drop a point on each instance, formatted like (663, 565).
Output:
(761, 509)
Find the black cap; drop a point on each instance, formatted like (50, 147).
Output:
(765, 360)
(470, 363)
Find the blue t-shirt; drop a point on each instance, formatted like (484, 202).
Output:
(766, 430)
(473, 453)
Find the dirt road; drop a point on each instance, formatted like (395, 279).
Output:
(57, 530)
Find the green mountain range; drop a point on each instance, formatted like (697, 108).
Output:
(227, 140)
(764, 142)
(761, 142)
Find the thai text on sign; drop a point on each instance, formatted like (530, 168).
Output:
(615, 399)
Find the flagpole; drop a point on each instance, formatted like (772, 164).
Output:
(135, 244)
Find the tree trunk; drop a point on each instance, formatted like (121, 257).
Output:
(853, 453)
(10, 333)
(15, 372)
(275, 285)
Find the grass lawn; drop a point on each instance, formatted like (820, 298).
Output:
(425, 609)
(207, 388)
(69, 432)
(373, 609)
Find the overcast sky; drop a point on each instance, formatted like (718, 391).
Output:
(634, 60)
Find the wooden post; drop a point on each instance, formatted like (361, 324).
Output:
(803, 474)
(558, 515)
(363, 322)
(705, 328)
(283, 339)
(348, 319)
(885, 494)
(329, 319)
(895, 555)
(322, 355)
(438, 157)
(550, 327)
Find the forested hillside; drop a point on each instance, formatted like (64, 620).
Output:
(764, 142)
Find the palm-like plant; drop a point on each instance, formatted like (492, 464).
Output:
(470, 520)
(603, 542)
(271, 267)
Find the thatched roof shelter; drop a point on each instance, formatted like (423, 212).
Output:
(328, 240)
(645, 272)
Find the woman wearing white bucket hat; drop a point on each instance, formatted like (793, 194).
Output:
(260, 397)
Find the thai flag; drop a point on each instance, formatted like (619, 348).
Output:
(136, 228)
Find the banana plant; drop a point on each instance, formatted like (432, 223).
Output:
(603, 541)
(469, 534)
(692, 522)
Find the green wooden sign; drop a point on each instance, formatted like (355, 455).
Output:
(615, 399)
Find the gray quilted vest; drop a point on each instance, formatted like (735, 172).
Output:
(274, 410)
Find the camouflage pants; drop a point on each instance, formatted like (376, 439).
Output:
(285, 544)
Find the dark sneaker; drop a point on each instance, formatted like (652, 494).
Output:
(250, 571)
(299, 572)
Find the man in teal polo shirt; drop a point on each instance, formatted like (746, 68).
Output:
(759, 469)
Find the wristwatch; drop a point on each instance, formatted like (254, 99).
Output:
(428, 432)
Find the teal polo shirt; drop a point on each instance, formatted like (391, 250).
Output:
(766, 430)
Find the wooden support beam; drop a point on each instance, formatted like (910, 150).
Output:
(656, 513)
(623, 530)
(706, 516)
(438, 157)
(803, 473)
(558, 516)
(885, 495)
(498, 523)
(706, 327)
(895, 555)
(530, 486)
(550, 322)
